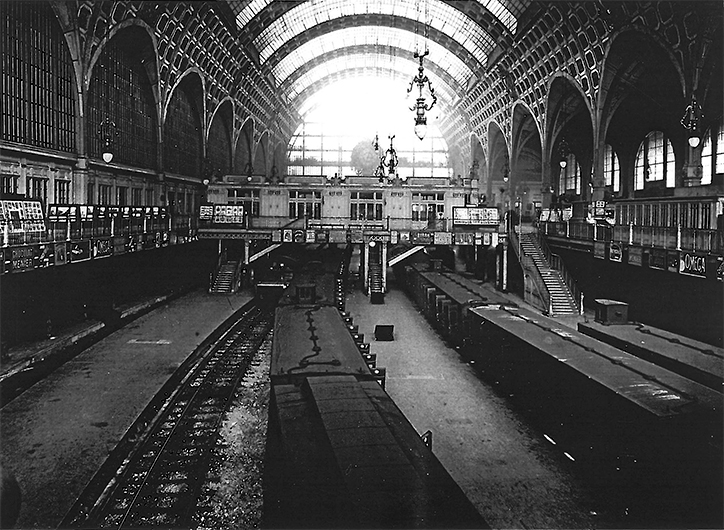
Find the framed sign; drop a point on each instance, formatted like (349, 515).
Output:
(475, 216)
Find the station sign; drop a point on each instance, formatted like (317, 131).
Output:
(442, 238)
(475, 216)
(228, 214)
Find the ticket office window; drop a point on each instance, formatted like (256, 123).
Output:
(38, 189)
(62, 192)
(305, 204)
(428, 206)
(248, 198)
(9, 184)
(366, 206)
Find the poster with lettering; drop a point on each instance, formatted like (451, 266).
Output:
(465, 238)
(22, 258)
(442, 238)
(692, 264)
(21, 216)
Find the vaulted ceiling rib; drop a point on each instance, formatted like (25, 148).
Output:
(383, 43)
(370, 62)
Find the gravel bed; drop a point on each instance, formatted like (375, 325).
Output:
(232, 495)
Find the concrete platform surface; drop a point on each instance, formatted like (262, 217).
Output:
(511, 476)
(55, 435)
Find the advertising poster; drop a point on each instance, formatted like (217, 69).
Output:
(119, 245)
(287, 236)
(404, 236)
(310, 236)
(599, 250)
(102, 248)
(46, 255)
(356, 235)
(657, 259)
(321, 236)
(21, 216)
(442, 238)
(422, 238)
(672, 261)
(61, 254)
(206, 212)
(465, 238)
(615, 252)
(635, 256)
(228, 214)
(22, 258)
(337, 236)
(80, 251)
(692, 264)
(718, 266)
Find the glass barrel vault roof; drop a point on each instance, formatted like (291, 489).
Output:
(387, 42)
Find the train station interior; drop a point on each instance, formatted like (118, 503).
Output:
(505, 218)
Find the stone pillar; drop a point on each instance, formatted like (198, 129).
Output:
(384, 266)
(691, 170)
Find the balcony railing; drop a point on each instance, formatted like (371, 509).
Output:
(699, 240)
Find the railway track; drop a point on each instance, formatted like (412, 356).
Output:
(157, 473)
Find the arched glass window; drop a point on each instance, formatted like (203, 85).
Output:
(712, 153)
(569, 180)
(611, 169)
(655, 161)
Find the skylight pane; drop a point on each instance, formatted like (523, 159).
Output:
(367, 61)
(442, 17)
(246, 13)
(371, 35)
(502, 13)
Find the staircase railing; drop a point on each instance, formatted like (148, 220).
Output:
(223, 257)
(544, 300)
(557, 263)
(238, 271)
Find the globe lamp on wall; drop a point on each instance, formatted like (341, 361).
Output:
(690, 121)
(107, 132)
(563, 151)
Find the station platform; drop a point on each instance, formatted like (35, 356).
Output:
(511, 475)
(56, 434)
(696, 360)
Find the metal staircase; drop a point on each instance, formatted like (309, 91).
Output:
(561, 300)
(224, 281)
(376, 287)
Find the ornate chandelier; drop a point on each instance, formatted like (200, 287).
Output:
(388, 161)
(421, 105)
